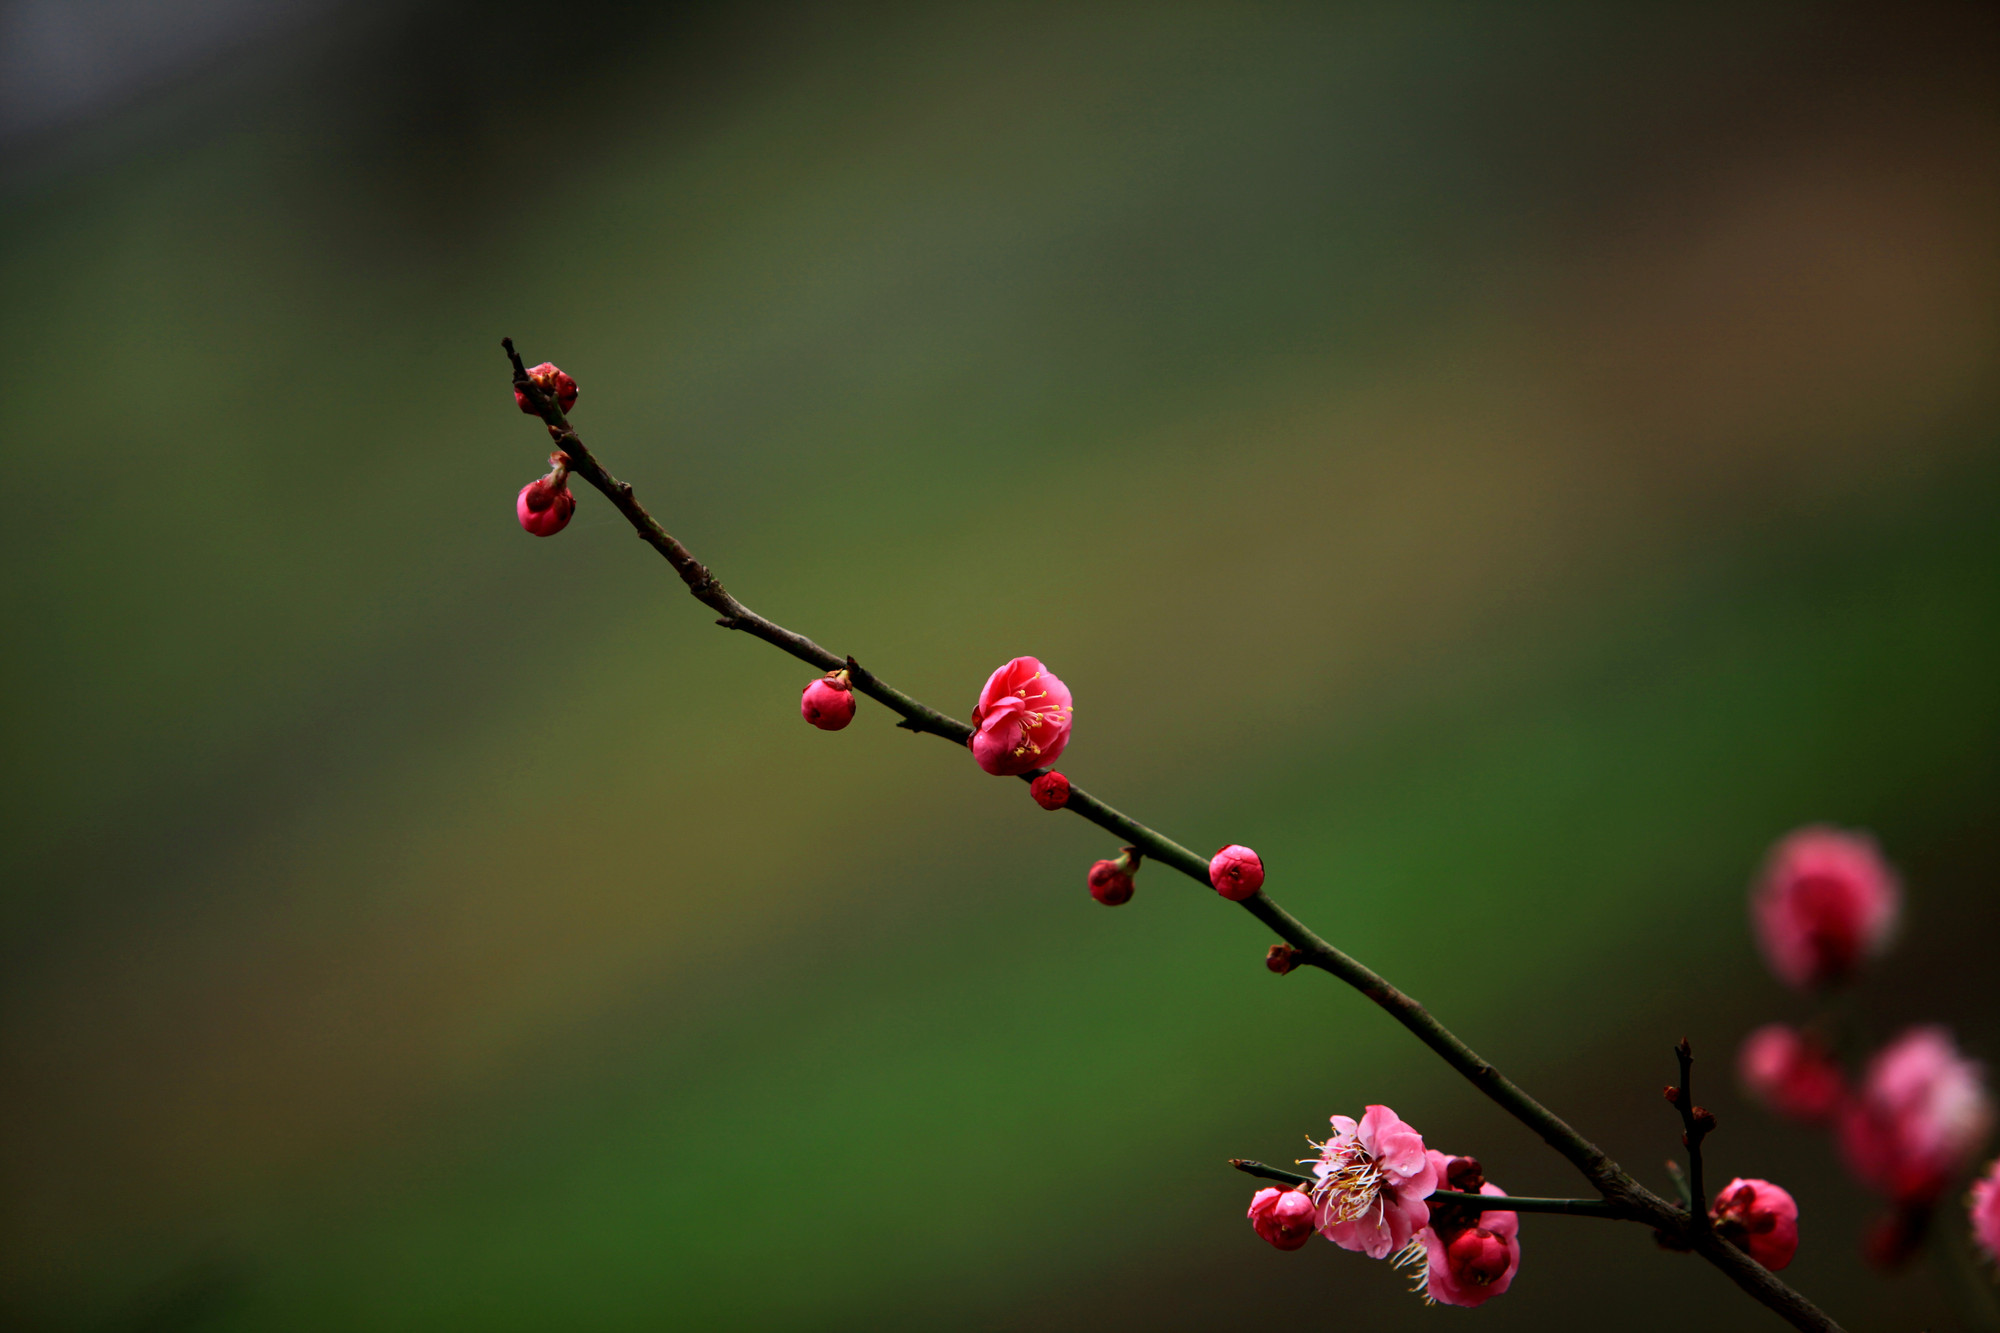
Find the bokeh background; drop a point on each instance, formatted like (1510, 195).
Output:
(1507, 464)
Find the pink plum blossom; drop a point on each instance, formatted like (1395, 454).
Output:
(1758, 1218)
(828, 703)
(545, 504)
(1373, 1179)
(1283, 1217)
(1823, 904)
(1984, 1206)
(1022, 720)
(1464, 1260)
(1791, 1073)
(1918, 1119)
(1236, 872)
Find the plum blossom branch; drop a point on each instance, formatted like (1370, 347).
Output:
(1619, 1189)
(1696, 1124)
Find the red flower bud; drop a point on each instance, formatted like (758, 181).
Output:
(1286, 1218)
(544, 505)
(551, 381)
(1236, 873)
(1111, 881)
(1282, 958)
(828, 702)
(1050, 790)
(1758, 1218)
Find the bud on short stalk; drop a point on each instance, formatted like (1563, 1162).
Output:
(1111, 881)
(544, 505)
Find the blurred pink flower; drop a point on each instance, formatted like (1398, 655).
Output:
(1022, 720)
(1918, 1119)
(1824, 902)
(1758, 1218)
(1984, 1206)
(1373, 1179)
(1790, 1072)
(1465, 1260)
(1236, 872)
(1283, 1217)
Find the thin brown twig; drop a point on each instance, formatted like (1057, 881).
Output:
(1617, 1186)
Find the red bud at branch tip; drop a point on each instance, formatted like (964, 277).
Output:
(1282, 958)
(1050, 790)
(551, 381)
(828, 702)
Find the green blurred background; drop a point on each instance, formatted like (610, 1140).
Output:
(1506, 464)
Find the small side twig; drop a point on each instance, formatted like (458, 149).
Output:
(1697, 1122)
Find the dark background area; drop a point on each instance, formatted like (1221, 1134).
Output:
(1507, 466)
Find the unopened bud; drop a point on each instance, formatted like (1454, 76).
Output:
(1111, 881)
(828, 702)
(1050, 790)
(1672, 1094)
(1286, 1218)
(1236, 872)
(551, 381)
(544, 505)
(1704, 1119)
(1282, 958)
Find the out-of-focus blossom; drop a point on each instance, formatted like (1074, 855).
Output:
(1022, 720)
(1463, 1258)
(1286, 1218)
(1823, 904)
(1791, 1073)
(1758, 1218)
(1984, 1205)
(1918, 1119)
(1236, 872)
(1373, 1177)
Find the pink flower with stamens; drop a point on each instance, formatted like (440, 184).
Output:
(1022, 720)
(1461, 1259)
(1373, 1179)
(1824, 903)
(1791, 1073)
(1984, 1206)
(1758, 1218)
(1918, 1119)
(1283, 1217)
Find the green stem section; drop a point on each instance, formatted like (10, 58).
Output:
(1488, 1203)
(1620, 1190)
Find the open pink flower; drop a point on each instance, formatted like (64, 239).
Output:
(1984, 1206)
(1791, 1073)
(1283, 1217)
(1463, 1259)
(1022, 719)
(1920, 1116)
(1758, 1218)
(1823, 904)
(1373, 1179)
